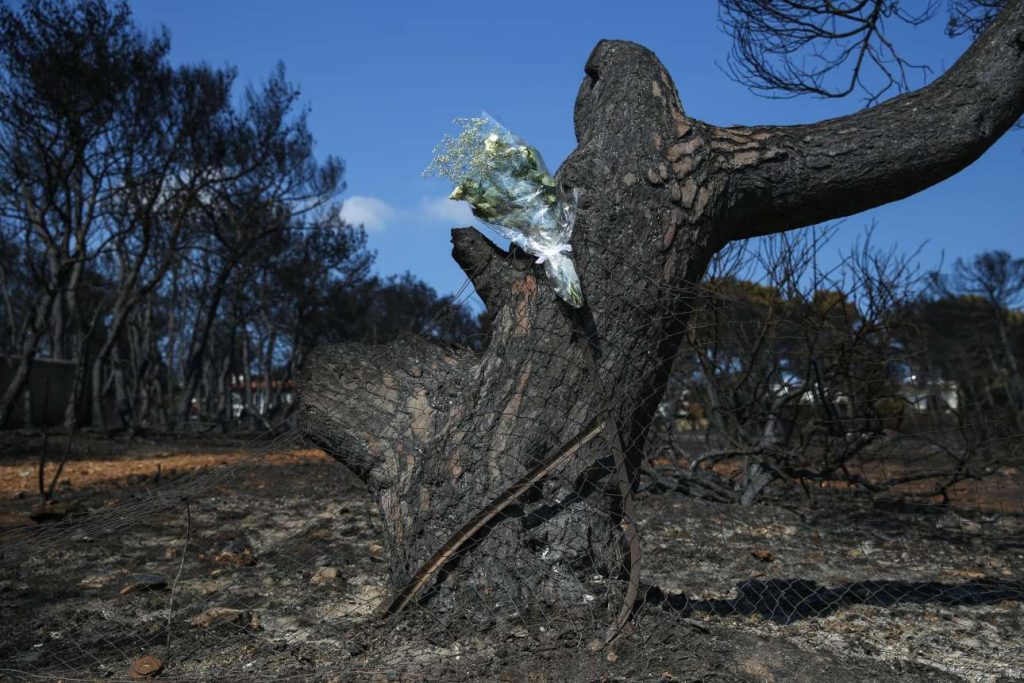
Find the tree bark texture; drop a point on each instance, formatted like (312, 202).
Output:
(437, 432)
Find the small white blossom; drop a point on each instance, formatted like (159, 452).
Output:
(508, 186)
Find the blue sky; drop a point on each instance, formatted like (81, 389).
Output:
(385, 79)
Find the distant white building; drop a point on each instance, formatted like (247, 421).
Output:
(933, 395)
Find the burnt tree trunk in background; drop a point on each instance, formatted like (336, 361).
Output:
(437, 432)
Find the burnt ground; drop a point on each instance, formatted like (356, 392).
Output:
(267, 561)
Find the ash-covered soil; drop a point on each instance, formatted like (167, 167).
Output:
(269, 566)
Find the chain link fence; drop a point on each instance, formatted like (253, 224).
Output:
(796, 506)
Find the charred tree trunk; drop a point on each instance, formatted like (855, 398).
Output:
(32, 337)
(438, 433)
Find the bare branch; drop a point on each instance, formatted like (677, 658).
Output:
(828, 49)
(786, 177)
(972, 16)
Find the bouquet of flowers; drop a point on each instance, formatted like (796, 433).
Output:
(509, 188)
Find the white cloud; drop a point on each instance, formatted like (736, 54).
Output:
(444, 209)
(377, 215)
(371, 213)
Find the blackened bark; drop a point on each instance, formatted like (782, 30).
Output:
(783, 177)
(437, 433)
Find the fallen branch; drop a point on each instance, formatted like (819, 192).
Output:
(459, 539)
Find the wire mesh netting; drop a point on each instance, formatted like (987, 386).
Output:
(799, 485)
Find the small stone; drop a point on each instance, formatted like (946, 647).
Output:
(628, 179)
(763, 555)
(519, 632)
(222, 615)
(324, 575)
(145, 666)
(653, 176)
(595, 645)
(144, 582)
(237, 553)
(377, 552)
(611, 656)
(94, 581)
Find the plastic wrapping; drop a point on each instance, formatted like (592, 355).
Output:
(509, 188)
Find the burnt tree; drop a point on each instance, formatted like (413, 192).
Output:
(437, 432)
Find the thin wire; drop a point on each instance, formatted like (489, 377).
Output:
(177, 577)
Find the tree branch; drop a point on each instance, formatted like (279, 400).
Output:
(361, 403)
(492, 270)
(785, 177)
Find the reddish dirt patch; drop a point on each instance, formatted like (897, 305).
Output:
(1001, 492)
(22, 477)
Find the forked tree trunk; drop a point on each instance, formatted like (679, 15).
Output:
(437, 433)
